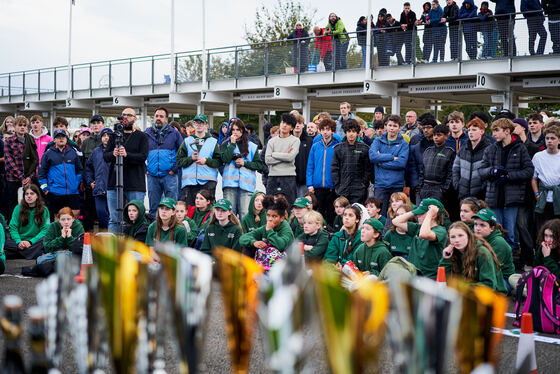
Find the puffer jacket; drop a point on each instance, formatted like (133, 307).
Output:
(520, 170)
(319, 174)
(163, 146)
(466, 170)
(60, 172)
(465, 13)
(305, 144)
(451, 13)
(350, 167)
(97, 170)
(389, 172)
(438, 166)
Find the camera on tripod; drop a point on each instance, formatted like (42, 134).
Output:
(118, 129)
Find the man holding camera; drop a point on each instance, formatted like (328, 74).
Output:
(134, 151)
(163, 142)
(200, 158)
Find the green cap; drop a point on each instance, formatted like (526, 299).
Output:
(423, 207)
(168, 202)
(201, 117)
(224, 204)
(370, 125)
(302, 202)
(378, 226)
(486, 215)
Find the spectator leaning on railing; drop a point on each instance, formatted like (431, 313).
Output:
(535, 24)
(336, 28)
(552, 10)
(300, 48)
(323, 44)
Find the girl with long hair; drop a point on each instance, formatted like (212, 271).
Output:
(256, 216)
(64, 233)
(200, 212)
(399, 241)
(470, 206)
(396, 200)
(340, 203)
(471, 257)
(134, 217)
(224, 229)
(190, 225)
(345, 241)
(166, 228)
(548, 253)
(28, 226)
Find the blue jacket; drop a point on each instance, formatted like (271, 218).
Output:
(415, 161)
(389, 172)
(504, 6)
(97, 170)
(319, 137)
(163, 146)
(465, 13)
(319, 164)
(60, 172)
(221, 136)
(531, 5)
(457, 144)
(435, 17)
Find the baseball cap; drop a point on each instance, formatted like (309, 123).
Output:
(168, 202)
(96, 117)
(302, 202)
(370, 125)
(85, 129)
(378, 226)
(105, 131)
(224, 204)
(423, 207)
(201, 117)
(59, 132)
(486, 215)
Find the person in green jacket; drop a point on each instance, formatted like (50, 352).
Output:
(224, 229)
(430, 237)
(344, 242)
(548, 253)
(190, 225)
(373, 254)
(472, 257)
(400, 242)
(276, 233)
(28, 226)
(336, 29)
(200, 213)
(486, 225)
(340, 203)
(165, 228)
(315, 240)
(301, 207)
(63, 234)
(256, 216)
(134, 217)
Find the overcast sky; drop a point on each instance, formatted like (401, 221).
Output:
(34, 33)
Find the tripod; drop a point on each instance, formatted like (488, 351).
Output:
(119, 180)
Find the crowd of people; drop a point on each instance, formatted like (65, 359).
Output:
(480, 197)
(461, 23)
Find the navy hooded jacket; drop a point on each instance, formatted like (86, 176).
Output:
(97, 170)
(60, 172)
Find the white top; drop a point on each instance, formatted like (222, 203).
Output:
(547, 170)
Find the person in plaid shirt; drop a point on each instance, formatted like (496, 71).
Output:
(21, 158)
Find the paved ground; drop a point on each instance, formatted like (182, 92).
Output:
(215, 355)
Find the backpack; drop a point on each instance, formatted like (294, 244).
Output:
(543, 300)
(268, 256)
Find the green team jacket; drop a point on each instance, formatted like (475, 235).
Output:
(337, 224)
(552, 262)
(485, 271)
(503, 252)
(2, 241)
(30, 232)
(193, 230)
(217, 235)
(424, 254)
(279, 237)
(297, 229)
(248, 222)
(54, 241)
(179, 235)
(319, 241)
(398, 243)
(338, 245)
(184, 160)
(372, 259)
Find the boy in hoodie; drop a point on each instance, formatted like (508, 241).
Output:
(40, 134)
(450, 16)
(437, 171)
(468, 11)
(97, 174)
(506, 167)
(136, 224)
(389, 154)
(439, 32)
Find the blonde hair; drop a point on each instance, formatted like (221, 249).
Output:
(361, 122)
(347, 104)
(313, 216)
(342, 201)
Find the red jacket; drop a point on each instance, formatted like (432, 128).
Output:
(323, 44)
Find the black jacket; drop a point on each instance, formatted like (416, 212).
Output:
(437, 167)
(134, 164)
(351, 169)
(408, 20)
(305, 144)
(515, 159)
(466, 170)
(361, 32)
(451, 13)
(551, 6)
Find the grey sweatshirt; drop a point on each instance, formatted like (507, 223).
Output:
(281, 163)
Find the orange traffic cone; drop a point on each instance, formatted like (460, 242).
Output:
(87, 259)
(441, 282)
(526, 361)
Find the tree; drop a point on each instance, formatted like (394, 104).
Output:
(277, 23)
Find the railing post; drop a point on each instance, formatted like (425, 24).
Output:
(9, 87)
(23, 85)
(460, 42)
(333, 53)
(54, 86)
(208, 66)
(266, 52)
(414, 45)
(510, 36)
(176, 71)
(152, 74)
(236, 63)
(39, 84)
(130, 76)
(110, 79)
(71, 83)
(90, 81)
(298, 51)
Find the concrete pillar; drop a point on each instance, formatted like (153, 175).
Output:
(210, 121)
(508, 99)
(262, 121)
(200, 108)
(396, 104)
(232, 109)
(51, 120)
(306, 110)
(144, 116)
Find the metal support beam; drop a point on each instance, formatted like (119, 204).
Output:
(200, 108)
(37, 107)
(128, 101)
(262, 121)
(492, 82)
(79, 104)
(396, 104)
(216, 97)
(183, 98)
(144, 114)
(290, 93)
(380, 88)
(306, 109)
(210, 121)
(233, 109)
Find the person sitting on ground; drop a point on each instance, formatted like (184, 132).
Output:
(136, 224)
(28, 226)
(165, 228)
(396, 200)
(64, 233)
(486, 226)
(345, 241)
(470, 206)
(315, 240)
(400, 242)
(200, 212)
(224, 229)
(430, 237)
(373, 254)
(256, 217)
(472, 257)
(190, 225)
(548, 253)
(340, 203)
(373, 206)
(301, 206)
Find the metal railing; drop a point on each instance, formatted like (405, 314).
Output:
(503, 36)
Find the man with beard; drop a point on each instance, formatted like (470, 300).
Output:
(163, 142)
(134, 150)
